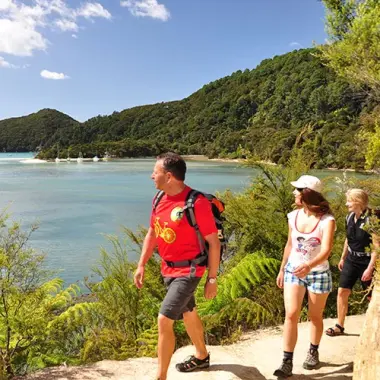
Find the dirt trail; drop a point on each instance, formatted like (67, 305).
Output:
(254, 357)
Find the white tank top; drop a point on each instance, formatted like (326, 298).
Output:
(306, 246)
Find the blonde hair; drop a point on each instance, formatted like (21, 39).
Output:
(358, 196)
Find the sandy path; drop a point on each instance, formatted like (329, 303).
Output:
(253, 358)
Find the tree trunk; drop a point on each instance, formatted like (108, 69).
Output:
(367, 360)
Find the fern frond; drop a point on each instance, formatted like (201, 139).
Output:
(75, 315)
(241, 310)
(252, 270)
(52, 286)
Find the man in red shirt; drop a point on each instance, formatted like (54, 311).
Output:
(177, 241)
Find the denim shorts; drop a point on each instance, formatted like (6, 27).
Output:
(314, 282)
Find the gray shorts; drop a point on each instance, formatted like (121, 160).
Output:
(179, 298)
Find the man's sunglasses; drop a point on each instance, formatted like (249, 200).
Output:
(300, 190)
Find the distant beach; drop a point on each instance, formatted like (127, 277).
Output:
(200, 157)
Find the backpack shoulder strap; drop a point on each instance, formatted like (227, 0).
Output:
(189, 206)
(367, 216)
(349, 216)
(157, 198)
(190, 213)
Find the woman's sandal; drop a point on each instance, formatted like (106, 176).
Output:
(332, 332)
(191, 363)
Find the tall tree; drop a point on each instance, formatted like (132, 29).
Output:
(354, 53)
(354, 48)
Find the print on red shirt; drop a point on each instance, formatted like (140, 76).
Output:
(176, 239)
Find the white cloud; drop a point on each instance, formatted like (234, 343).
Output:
(147, 8)
(5, 4)
(19, 38)
(74, 36)
(91, 10)
(66, 25)
(296, 45)
(23, 24)
(5, 64)
(52, 75)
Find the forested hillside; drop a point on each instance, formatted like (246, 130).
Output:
(44, 128)
(260, 111)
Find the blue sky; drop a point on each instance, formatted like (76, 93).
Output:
(94, 57)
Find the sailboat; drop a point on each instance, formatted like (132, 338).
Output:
(80, 158)
(38, 150)
(57, 160)
(106, 156)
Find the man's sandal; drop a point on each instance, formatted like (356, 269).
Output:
(333, 332)
(191, 363)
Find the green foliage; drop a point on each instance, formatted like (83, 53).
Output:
(256, 219)
(373, 149)
(43, 324)
(36, 131)
(148, 342)
(239, 302)
(340, 16)
(355, 51)
(123, 322)
(250, 272)
(259, 112)
(354, 55)
(30, 302)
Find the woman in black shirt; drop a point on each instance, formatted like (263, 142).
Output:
(357, 262)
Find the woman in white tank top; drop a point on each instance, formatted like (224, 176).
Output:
(305, 266)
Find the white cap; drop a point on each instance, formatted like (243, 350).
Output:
(308, 181)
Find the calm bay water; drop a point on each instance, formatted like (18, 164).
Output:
(76, 203)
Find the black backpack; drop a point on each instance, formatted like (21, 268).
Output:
(217, 207)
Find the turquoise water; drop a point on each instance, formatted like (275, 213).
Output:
(76, 203)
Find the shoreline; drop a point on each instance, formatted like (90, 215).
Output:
(195, 157)
(201, 158)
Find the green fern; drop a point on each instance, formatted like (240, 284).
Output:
(244, 309)
(108, 344)
(242, 297)
(75, 315)
(147, 342)
(252, 271)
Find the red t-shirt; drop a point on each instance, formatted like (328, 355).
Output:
(176, 239)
